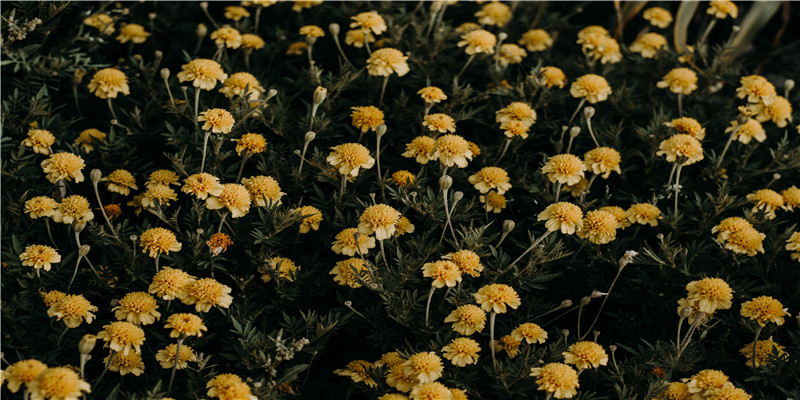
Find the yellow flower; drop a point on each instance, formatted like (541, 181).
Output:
(312, 217)
(184, 324)
(357, 37)
(253, 42)
(515, 128)
(229, 387)
(73, 309)
(122, 336)
(746, 241)
(751, 129)
(585, 355)
(681, 145)
(397, 379)
(52, 297)
(393, 396)
(603, 48)
(60, 383)
(779, 111)
(618, 213)
(312, 31)
(649, 44)
(296, 49)
(494, 13)
(384, 62)
(688, 126)
(643, 213)
(130, 363)
(529, 332)
(134, 33)
(766, 351)
(253, 143)
(217, 120)
(552, 76)
(22, 372)
(443, 272)
(113, 210)
(162, 177)
(432, 94)
(763, 310)
(282, 267)
(766, 200)
(478, 41)
(602, 161)
(390, 359)
(600, 227)
(358, 371)
(234, 197)
(168, 356)
(508, 344)
(675, 391)
(379, 219)
(516, 111)
(467, 262)
(462, 351)
(228, 37)
(170, 283)
(366, 118)
(722, 9)
(536, 40)
(593, 88)
(202, 185)
(791, 198)
(679, 80)
(467, 319)
(138, 308)
(367, 21)
(709, 294)
(705, 380)
(793, 244)
(264, 190)
(73, 208)
(452, 150)
(756, 89)
(40, 206)
(424, 367)
(728, 226)
(40, 140)
(65, 166)
(467, 27)
(658, 16)
(564, 168)
(87, 137)
(259, 3)
(494, 202)
(159, 240)
(349, 158)
(107, 83)
(299, 5)
(404, 226)
(441, 123)
(727, 392)
(351, 272)
(102, 22)
(430, 391)
(422, 148)
(563, 216)
(402, 178)
(39, 256)
(557, 378)
(164, 194)
(203, 73)
(491, 178)
(345, 242)
(458, 394)
(218, 243)
(242, 84)
(510, 53)
(495, 297)
(236, 13)
(207, 292)
(585, 33)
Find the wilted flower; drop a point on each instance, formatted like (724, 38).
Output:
(358, 371)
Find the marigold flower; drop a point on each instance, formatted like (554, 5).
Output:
(312, 31)
(467, 262)
(65, 166)
(73, 309)
(763, 310)
(722, 9)
(229, 387)
(466, 27)
(593, 88)
(351, 272)
(162, 177)
(349, 158)
(602, 161)
(203, 73)
(369, 21)
(138, 308)
(422, 148)
(162, 193)
(529, 332)
(207, 292)
(157, 241)
(357, 37)
(766, 200)
(515, 128)
(643, 213)
(467, 319)
(563, 216)
(756, 89)
(709, 294)
(552, 76)
(202, 185)
(728, 226)
(424, 367)
(751, 129)
(402, 178)
(791, 198)
(107, 83)
(494, 13)
(386, 61)
(40, 206)
(228, 37)
(259, 3)
(264, 190)
(441, 123)
(242, 84)
(618, 213)
(508, 344)
(130, 363)
(404, 226)
(22, 372)
(73, 208)
(346, 243)
(681, 145)
(510, 53)
(688, 126)
(217, 120)
(170, 283)
(218, 243)
(380, 219)
(705, 380)
(282, 267)
(252, 143)
(658, 16)
(590, 30)
(600, 227)
(397, 379)
(87, 137)
(40, 140)
(297, 49)
(679, 80)
(495, 297)
(491, 178)
(60, 383)
(167, 357)
(443, 272)
(536, 40)
(557, 378)
(430, 391)
(185, 324)
(585, 355)
(366, 118)
(122, 336)
(766, 351)
(793, 244)
(746, 241)
(478, 41)
(52, 297)
(564, 168)
(516, 111)
(649, 44)
(603, 48)
(393, 396)
(39, 257)
(358, 371)
(462, 351)
(102, 22)
(452, 150)
(134, 33)
(234, 197)
(253, 42)
(236, 13)
(675, 391)
(779, 111)
(432, 94)
(312, 217)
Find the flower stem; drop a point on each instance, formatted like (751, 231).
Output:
(258, 19)
(558, 191)
(205, 147)
(245, 157)
(755, 343)
(492, 316)
(708, 31)
(158, 256)
(575, 114)
(49, 233)
(108, 364)
(61, 336)
(528, 250)
(428, 306)
(111, 107)
(680, 104)
(449, 222)
(383, 89)
(677, 188)
(74, 273)
(588, 186)
(591, 133)
(505, 148)
(341, 51)
(103, 210)
(175, 365)
(464, 68)
(222, 221)
(600, 310)
(727, 145)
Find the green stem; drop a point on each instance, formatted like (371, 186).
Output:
(428, 306)
(528, 250)
(175, 365)
(205, 147)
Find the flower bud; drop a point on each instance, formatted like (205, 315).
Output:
(436, 6)
(588, 112)
(138, 57)
(158, 54)
(348, 303)
(165, 73)
(87, 343)
(133, 238)
(627, 258)
(788, 85)
(380, 130)
(445, 182)
(566, 303)
(204, 5)
(334, 28)
(151, 16)
(574, 131)
(95, 175)
(310, 135)
(613, 348)
(458, 195)
(585, 300)
(270, 94)
(77, 227)
(508, 226)
(77, 77)
(202, 30)
(502, 36)
(565, 332)
(84, 250)
(319, 95)
(685, 312)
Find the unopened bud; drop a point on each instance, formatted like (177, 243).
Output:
(95, 175)
(585, 300)
(736, 28)
(138, 57)
(151, 15)
(204, 5)
(202, 30)
(199, 231)
(133, 238)
(565, 332)
(164, 73)
(310, 135)
(270, 94)
(502, 36)
(588, 112)
(612, 347)
(436, 6)
(508, 226)
(348, 303)
(381, 130)
(87, 343)
(685, 312)
(660, 236)
(319, 95)
(84, 250)
(627, 258)
(574, 131)
(458, 195)
(776, 176)
(445, 182)
(158, 54)
(334, 28)
(566, 303)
